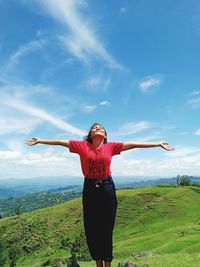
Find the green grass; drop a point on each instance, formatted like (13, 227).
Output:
(161, 220)
(162, 260)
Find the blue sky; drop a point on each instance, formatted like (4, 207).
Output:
(131, 65)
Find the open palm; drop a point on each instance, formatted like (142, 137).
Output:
(166, 146)
(33, 141)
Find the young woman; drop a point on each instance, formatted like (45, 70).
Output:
(99, 197)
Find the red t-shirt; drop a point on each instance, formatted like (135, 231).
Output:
(95, 162)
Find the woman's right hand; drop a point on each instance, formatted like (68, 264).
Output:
(33, 141)
(166, 146)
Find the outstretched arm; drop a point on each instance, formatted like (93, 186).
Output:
(35, 141)
(131, 145)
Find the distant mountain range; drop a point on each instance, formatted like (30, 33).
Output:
(21, 187)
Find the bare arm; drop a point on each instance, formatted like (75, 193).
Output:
(131, 145)
(35, 141)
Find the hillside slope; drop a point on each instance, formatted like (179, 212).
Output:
(158, 225)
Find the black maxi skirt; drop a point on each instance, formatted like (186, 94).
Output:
(99, 211)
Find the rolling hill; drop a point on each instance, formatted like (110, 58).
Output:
(156, 225)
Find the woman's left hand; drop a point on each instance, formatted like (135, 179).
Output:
(166, 146)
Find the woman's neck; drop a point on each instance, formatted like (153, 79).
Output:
(98, 141)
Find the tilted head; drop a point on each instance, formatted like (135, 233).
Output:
(96, 129)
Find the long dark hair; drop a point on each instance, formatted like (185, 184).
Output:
(88, 136)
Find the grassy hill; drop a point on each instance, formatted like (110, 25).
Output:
(158, 225)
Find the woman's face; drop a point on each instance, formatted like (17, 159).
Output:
(98, 130)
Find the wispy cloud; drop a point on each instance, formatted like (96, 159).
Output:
(88, 108)
(148, 83)
(193, 99)
(29, 47)
(197, 132)
(14, 59)
(194, 102)
(98, 82)
(195, 93)
(132, 127)
(123, 10)
(24, 50)
(81, 41)
(147, 138)
(29, 109)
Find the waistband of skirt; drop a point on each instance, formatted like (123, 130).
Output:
(98, 180)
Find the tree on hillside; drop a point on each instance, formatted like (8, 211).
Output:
(183, 180)
(178, 179)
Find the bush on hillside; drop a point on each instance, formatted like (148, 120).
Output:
(3, 252)
(15, 252)
(65, 242)
(46, 263)
(31, 234)
(196, 184)
(73, 261)
(80, 248)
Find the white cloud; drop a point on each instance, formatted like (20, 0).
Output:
(104, 103)
(50, 162)
(82, 41)
(148, 82)
(14, 164)
(89, 108)
(132, 127)
(9, 155)
(127, 165)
